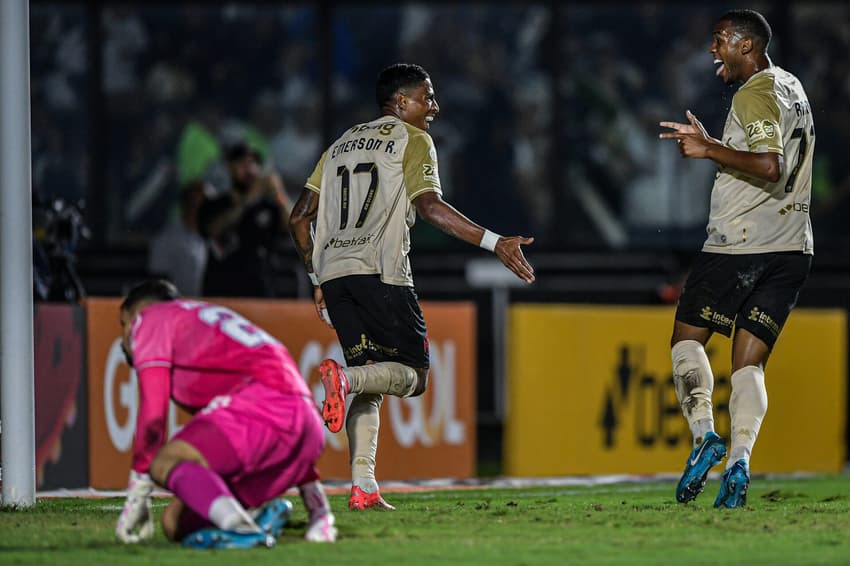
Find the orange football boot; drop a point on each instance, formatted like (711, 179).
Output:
(361, 500)
(336, 388)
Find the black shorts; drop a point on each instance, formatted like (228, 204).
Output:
(377, 322)
(752, 291)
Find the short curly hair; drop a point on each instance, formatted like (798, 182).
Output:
(751, 24)
(397, 77)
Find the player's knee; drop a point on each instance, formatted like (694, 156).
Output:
(421, 382)
(169, 456)
(689, 352)
(749, 350)
(682, 332)
(161, 467)
(689, 361)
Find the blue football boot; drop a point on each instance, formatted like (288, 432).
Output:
(734, 486)
(271, 518)
(218, 539)
(702, 458)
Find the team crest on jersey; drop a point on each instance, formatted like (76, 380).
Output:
(760, 130)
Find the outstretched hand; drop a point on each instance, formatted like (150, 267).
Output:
(509, 252)
(693, 139)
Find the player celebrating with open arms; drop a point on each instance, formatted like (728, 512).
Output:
(364, 195)
(758, 252)
(255, 430)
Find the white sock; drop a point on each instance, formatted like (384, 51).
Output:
(694, 383)
(747, 407)
(227, 514)
(362, 426)
(700, 428)
(392, 378)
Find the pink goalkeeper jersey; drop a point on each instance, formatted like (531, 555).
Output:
(192, 352)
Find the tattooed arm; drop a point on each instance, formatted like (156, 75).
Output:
(303, 213)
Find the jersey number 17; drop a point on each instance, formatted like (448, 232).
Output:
(345, 179)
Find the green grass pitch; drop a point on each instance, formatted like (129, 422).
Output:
(787, 521)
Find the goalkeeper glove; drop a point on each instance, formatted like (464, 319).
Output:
(136, 521)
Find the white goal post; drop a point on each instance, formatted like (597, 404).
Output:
(17, 398)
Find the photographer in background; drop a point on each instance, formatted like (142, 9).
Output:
(57, 229)
(246, 228)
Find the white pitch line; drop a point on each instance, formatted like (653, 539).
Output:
(595, 484)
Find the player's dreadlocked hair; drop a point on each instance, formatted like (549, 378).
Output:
(156, 290)
(751, 24)
(396, 77)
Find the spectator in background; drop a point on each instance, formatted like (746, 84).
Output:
(198, 148)
(247, 228)
(59, 70)
(179, 251)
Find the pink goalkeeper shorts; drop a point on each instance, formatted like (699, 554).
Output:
(260, 441)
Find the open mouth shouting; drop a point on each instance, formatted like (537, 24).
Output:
(721, 68)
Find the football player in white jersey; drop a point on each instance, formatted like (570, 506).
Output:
(758, 252)
(363, 196)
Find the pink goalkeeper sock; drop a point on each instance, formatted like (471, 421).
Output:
(203, 491)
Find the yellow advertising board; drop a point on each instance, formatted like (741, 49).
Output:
(429, 436)
(590, 391)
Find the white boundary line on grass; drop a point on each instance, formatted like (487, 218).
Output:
(444, 484)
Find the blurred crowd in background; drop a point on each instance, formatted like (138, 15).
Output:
(549, 112)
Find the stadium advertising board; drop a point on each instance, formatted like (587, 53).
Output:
(60, 402)
(428, 436)
(591, 392)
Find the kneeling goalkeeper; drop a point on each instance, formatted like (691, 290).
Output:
(255, 430)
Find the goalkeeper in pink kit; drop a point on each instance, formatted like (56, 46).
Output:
(255, 430)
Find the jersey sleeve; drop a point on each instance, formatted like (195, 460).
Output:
(757, 108)
(151, 340)
(151, 423)
(314, 181)
(420, 165)
(151, 344)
